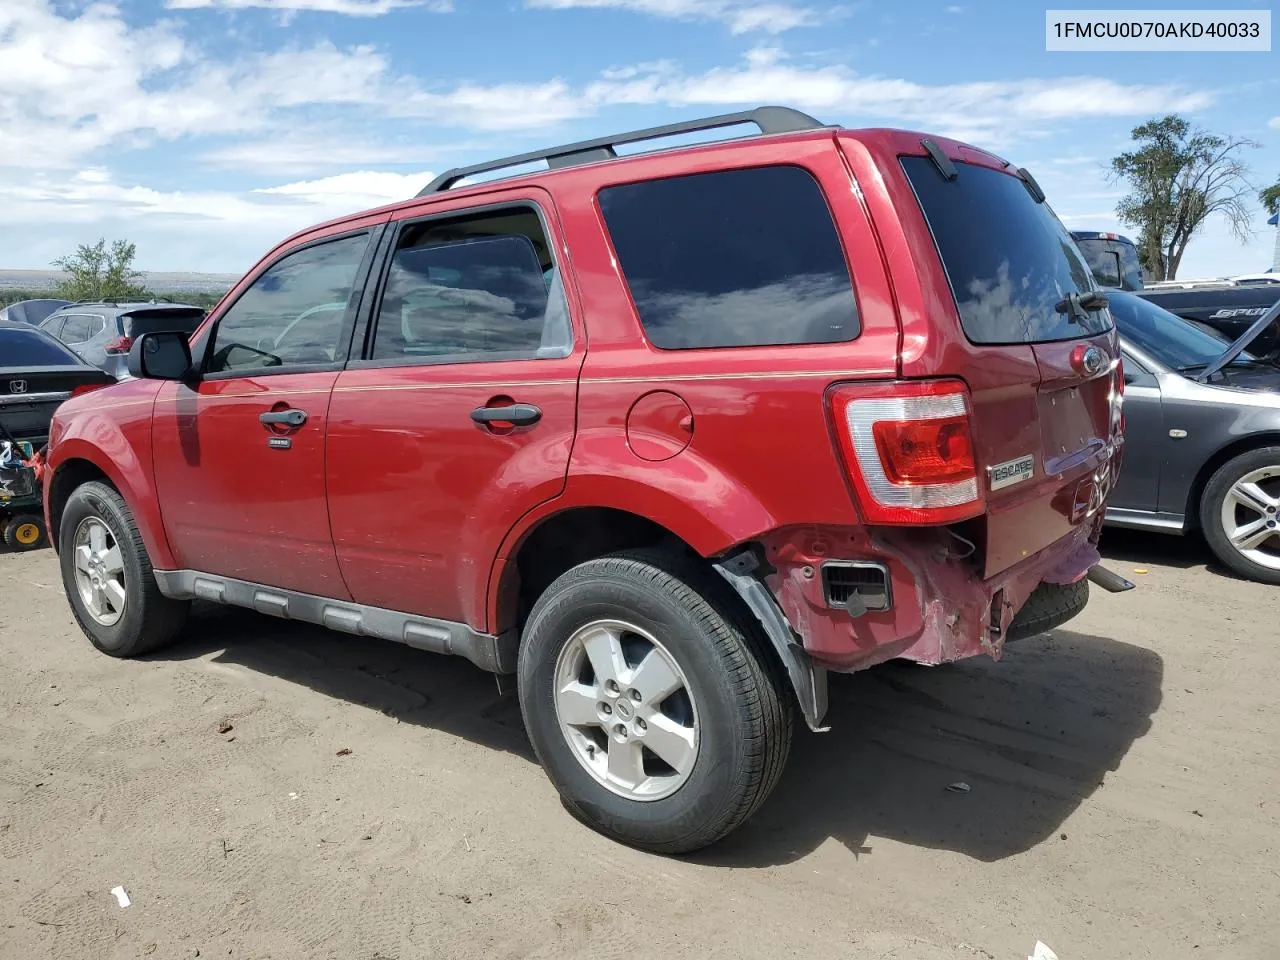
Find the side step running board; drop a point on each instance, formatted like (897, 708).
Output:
(1111, 582)
(495, 654)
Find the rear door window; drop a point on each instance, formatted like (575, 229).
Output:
(735, 258)
(77, 329)
(1009, 260)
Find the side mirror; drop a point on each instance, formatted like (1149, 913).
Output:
(160, 356)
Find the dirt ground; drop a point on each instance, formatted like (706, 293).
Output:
(1125, 800)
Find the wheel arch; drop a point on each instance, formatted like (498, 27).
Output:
(563, 539)
(1223, 455)
(75, 462)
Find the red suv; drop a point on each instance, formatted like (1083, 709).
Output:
(668, 436)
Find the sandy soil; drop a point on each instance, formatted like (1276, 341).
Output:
(1125, 800)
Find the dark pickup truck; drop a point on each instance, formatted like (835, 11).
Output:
(1227, 307)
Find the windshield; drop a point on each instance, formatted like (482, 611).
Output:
(1176, 343)
(1011, 264)
(20, 347)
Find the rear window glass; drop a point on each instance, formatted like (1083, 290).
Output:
(1114, 263)
(1009, 260)
(27, 348)
(732, 259)
(166, 321)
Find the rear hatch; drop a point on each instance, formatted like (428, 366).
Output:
(1017, 322)
(36, 375)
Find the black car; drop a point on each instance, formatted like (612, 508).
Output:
(102, 332)
(36, 374)
(1202, 434)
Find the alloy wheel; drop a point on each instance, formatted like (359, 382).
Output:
(1251, 516)
(626, 710)
(99, 572)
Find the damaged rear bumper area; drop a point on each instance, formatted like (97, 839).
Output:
(845, 599)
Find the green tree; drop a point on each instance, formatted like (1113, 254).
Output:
(99, 272)
(1179, 177)
(1270, 198)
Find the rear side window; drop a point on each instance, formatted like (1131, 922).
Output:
(732, 259)
(1010, 261)
(27, 348)
(476, 287)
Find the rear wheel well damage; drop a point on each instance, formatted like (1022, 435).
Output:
(1191, 515)
(567, 539)
(69, 476)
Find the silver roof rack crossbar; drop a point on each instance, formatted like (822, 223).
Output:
(769, 119)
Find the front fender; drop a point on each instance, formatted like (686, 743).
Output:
(115, 438)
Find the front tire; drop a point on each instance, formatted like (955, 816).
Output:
(1240, 514)
(108, 577)
(656, 709)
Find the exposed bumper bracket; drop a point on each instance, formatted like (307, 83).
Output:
(808, 679)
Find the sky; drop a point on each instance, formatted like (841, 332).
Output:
(205, 131)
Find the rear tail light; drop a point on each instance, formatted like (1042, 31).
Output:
(86, 388)
(119, 346)
(908, 447)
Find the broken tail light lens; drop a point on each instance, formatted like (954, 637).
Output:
(908, 447)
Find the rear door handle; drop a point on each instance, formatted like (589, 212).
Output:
(289, 418)
(517, 414)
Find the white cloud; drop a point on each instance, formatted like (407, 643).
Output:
(351, 8)
(990, 112)
(85, 84)
(353, 191)
(741, 16)
(955, 9)
(1275, 123)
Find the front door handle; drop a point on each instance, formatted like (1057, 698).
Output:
(516, 414)
(288, 418)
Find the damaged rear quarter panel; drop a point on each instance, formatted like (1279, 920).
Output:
(941, 609)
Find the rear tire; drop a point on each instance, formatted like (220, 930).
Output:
(1241, 503)
(108, 577)
(25, 532)
(645, 654)
(1050, 605)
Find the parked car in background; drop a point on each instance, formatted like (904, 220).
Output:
(102, 332)
(670, 488)
(37, 373)
(1202, 428)
(31, 311)
(1225, 306)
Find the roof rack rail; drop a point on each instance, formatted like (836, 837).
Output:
(768, 119)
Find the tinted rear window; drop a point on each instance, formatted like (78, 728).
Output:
(1114, 264)
(156, 321)
(1009, 260)
(27, 348)
(732, 259)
